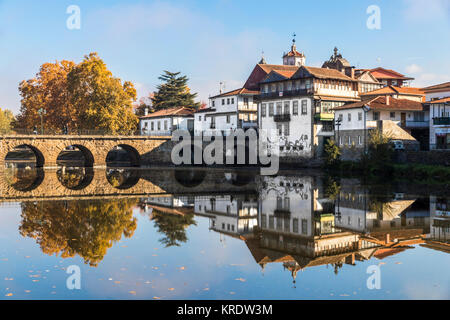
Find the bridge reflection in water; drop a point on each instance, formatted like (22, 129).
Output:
(297, 221)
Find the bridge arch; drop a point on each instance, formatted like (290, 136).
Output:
(133, 155)
(38, 155)
(24, 180)
(88, 157)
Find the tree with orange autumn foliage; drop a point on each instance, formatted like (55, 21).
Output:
(84, 96)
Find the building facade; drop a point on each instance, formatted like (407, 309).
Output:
(438, 101)
(227, 112)
(164, 122)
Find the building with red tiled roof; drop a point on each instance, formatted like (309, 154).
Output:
(164, 122)
(402, 119)
(388, 77)
(415, 94)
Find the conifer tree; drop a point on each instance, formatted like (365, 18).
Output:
(173, 92)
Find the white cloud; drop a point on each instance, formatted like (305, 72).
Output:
(413, 69)
(428, 79)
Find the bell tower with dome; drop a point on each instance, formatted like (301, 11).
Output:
(293, 57)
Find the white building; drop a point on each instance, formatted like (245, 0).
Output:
(438, 100)
(230, 214)
(164, 122)
(227, 112)
(396, 116)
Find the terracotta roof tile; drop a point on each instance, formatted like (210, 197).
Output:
(379, 103)
(325, 73)
(443, 100)
(177, 111)
(395, 90)
(242, 91)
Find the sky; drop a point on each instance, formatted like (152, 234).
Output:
(220, 41)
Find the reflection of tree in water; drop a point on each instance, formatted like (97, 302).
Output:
(173, 226)
(23, 179)
(74, 177)
(84, 228)
(122, 178)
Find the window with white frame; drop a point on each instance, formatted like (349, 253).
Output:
(263, 110)
(304, 106)
(295, 108)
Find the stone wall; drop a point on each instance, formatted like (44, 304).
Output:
(433, 157)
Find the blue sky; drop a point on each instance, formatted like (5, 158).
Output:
(213, 41)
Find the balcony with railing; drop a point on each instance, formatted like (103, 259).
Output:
(282, 94)
(282, 117)
(417, 124)
(212, 126)
(441, 121)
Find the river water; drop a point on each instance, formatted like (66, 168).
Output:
(78, 233)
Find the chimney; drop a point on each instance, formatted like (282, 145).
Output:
(145, 111)
(387, 99)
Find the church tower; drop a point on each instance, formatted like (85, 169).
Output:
(293, 57)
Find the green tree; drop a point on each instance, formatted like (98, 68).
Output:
(6, 121)
(332, 153)
(173, 227)
(173, 92)
(380, 150)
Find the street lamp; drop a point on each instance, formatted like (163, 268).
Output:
(366, 109)
(41, 113)
(338, 124)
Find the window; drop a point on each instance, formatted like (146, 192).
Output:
(340, 141)
(359, 116)
(279, 108)
(271, 222)
(349, 117)
(341, 117)
(165, 125)
(152, 126)
(304, 106)
(359, 140)
(263, 110)
(232, 100)
(295, 108)
(280, 129)
(304, 226)
(349, 140)
(228, 100)
(287, 107)
(199, 118)
(213, 103)
(245, 101)
(392, 114)
(223, 101)
(228, 119)
(376, 116)
(295, 225)
(270, 109)
(159, 125)
(286, 129)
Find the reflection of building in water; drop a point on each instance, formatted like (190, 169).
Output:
(167, 204)
(440, 220)
(229, 214)
(387, 218)
(297, 228)
(294, 205)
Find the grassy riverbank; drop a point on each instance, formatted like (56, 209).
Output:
(410, 172)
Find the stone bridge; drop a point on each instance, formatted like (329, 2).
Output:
(92, 183)
(47, 186)
(46, 148)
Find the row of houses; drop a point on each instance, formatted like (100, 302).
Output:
(309, 105)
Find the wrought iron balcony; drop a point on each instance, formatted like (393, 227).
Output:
(441, 121)
(282, 117)
(212, 126)
(281, 94)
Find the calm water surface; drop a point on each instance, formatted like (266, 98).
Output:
(218, 234)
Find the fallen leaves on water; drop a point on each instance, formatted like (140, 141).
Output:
(156, 298)
(171, 289)
(8, 295)
(181, 268)
(240, 279)
(132, 292)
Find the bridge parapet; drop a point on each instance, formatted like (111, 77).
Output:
(48, 147)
